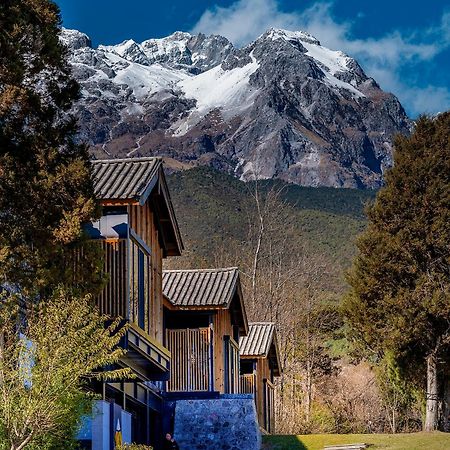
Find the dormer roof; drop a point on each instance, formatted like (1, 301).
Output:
(261, 342)
(137, 181)
(206, 289)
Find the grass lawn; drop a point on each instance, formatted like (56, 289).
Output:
(414, 441)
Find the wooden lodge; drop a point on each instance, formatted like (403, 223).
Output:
(259, 366)
(137, 230)
(188, 337)
(204, 318)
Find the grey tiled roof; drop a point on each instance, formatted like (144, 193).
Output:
(258, 340)
(200, 287)
(125, 179)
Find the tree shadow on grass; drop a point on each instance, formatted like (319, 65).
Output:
(283, 443)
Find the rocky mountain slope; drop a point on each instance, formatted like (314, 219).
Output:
(282, 107)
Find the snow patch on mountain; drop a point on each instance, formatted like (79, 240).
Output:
(176, 42)
(74, 39)
(146, 80)
(330, 61)
(277, 33)
(283, 106)
(228, 90)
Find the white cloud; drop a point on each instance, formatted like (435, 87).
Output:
(382, 58)
(244, 20)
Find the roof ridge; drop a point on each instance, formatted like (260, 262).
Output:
(220, 269)
(261, 323)
(134, 159)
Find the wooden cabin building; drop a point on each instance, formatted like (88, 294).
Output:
(204, 318)
(137, 229)
(188, 335)
(260, 364)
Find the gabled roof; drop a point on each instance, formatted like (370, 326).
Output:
(258, 340)
(205, 289)
(138, 181)
(200, 287)
(125, 179)
(260, 343)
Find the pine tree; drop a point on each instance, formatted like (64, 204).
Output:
(400, 281)
(46, 191)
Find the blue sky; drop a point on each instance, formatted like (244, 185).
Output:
(404, 45)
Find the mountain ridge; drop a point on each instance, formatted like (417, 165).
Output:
(281, 107)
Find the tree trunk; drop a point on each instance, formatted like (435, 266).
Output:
(446, 406)
(432, 398)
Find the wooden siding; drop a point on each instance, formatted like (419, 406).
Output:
(142, 221)
(262, 373)
(222, 327)
(191, 359)
(232, 382)
(269, 406)
(113, 299)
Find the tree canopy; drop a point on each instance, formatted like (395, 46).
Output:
(45, 366)
(46, 191)
(400, 282)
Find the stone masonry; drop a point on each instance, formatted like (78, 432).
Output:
(227, 423)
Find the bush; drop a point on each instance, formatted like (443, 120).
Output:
(134, 447)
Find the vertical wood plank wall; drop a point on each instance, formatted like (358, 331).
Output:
(222, 327)
(112, 299)
(141, 219)
(191, 363)
(262, 371)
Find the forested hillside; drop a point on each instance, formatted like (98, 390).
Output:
(215, 209)
(292, 245)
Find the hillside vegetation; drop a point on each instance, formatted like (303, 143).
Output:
(293, 246)
(214, 210)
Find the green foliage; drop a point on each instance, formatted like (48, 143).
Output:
(135, 447)
(322, 419)
(45, 365)
(46, 191)
(401, 399)
(400, 280)
(214, 210)
(399, 303)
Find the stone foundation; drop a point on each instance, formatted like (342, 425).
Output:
(227, 423)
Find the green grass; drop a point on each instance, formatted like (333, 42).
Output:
(414, 441)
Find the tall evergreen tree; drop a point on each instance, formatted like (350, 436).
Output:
(400, 281)
(46, 191)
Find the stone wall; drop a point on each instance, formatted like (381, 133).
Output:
(227, 423)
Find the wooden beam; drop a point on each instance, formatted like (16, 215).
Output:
(119, 202)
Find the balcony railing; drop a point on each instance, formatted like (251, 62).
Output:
(248, 384)
(191, 359)
(129, 294)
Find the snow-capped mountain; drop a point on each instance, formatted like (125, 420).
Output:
(284, 106)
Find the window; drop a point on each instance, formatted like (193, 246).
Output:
(140, 284)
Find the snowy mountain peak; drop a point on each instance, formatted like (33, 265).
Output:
(284, 106)
(176, 36)
(330, 60)
(278, 33)
(74, 39)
